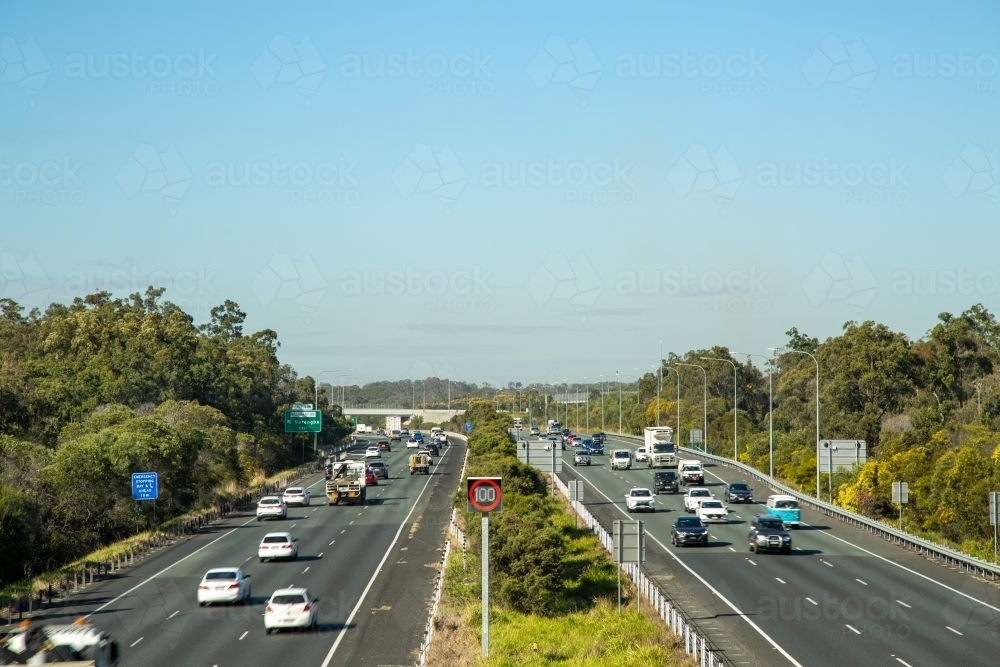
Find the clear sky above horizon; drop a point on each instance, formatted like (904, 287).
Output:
(506, 191)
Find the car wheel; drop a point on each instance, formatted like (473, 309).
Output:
(258, 518)
(261, 560)
(786, 550)
(751, 548)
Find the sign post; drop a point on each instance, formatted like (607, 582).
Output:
(146, 486)
(901, 495)
(994, 519)
(485, 495)
(629, 545)
(576, 495)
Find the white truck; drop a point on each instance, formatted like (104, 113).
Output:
(621, 459)
(346, 483)
(76, 645)
(393, 424)
(690, 472)
(554, 426)
(660, 449)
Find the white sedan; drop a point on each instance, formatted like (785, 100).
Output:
(694, 496)
(271, 507)
(412, 444)
(712, 511)
(290, 608)
(224, 584)
(278, 545)
(373, 453)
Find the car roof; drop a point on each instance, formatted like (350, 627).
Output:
(294, 489)
(639, 488)
(782, 497)
(291, 590)
(377, 463)
(222, 569)
(270, 498)
(278, 535)
(699, 488)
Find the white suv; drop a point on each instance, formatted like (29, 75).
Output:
(296, 495)
(711, 510)
(639, 499)
(290, 608)
(271, 507)
(694, 497)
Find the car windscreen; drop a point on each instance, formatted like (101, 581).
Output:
(689, 521)
(269, 501)
(581, 453)
(664, 476)
(662, 449)
(220, 575)
(293, 492)
(376, 464)
(773, 524)
(711, 504)
(640, 492)
(786, 505)
(275, 539)
(700, 493)
(621, 455)
(288, 599)
(739, 487)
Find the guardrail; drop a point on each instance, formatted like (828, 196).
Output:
(901, 538)
(694, 643)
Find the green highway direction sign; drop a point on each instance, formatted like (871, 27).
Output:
(303, 421)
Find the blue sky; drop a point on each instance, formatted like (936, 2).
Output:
(696, 174)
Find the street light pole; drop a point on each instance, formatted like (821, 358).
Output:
(659, 383)
(815, 361)
(618, 380)
(602, 403)
(770, 403)
(728, 361)
(316, 398)
(705, 426)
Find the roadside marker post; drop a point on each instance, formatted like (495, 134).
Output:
(485, 495)
(628, 546)
(900, 495)
(994, 519)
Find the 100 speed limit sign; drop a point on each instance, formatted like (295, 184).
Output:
(484, 494)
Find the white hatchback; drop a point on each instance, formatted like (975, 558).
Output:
(412, 444)
(224, 584)
(296, 495)
(271, 507)
(290, 608)
(278, 545)
(373, 453)
(640, 454)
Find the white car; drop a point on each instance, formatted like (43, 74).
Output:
(621, 459)
(412, 444)
(224, 584)
(640, 454)
(296, 495)
(271, 507)
(373, 453)
(430, 460)
(640, 499)
(712, 511)
(694, 496)
(290, 608)
(278, 545)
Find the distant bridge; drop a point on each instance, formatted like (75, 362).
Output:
(436, 415)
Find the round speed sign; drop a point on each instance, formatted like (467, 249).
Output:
(484, 494)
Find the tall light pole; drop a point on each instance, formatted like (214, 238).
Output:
(770, 403)
(677, 373)
(705, 374)
(618, 380)
(602, 402)
(659, 383)
(728, 361)
(316, 398)
(815, 361)
(588, 406)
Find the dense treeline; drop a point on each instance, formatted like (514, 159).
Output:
(93, 391)
(928, 409)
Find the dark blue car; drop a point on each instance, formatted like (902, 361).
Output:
(595, 448)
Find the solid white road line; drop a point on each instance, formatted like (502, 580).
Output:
(853, 629)
(136, 641)
(707, 585)
(953, 630)
(371, 582)
(243, 635)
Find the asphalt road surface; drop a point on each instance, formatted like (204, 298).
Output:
(842, 597)
(372, 566)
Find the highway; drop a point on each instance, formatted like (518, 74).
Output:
(841, 598)
(371, 566)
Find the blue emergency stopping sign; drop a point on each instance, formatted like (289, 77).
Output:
(145, 485)
(468, 426)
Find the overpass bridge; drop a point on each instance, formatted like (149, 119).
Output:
(433, 415)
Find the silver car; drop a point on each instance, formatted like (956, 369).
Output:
(581, 458)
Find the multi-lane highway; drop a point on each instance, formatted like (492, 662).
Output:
(372, 566)
(842, 597)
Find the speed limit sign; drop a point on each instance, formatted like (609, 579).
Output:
(484, 494)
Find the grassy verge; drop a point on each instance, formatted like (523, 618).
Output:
(590, 633)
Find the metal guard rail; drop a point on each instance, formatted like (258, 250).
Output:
(906, 540)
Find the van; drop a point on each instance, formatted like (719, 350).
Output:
(621, 459)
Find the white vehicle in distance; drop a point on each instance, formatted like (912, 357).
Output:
(278, 545)
(694, 496)
(621, 459)
(271, 507)
(412, 444)
(430, 460)
(640, 454)
(534, 431)
(435, 431)
(373, 453)
(224, 584)
(296, 495)
(639, 499)
(290, 608)
(712, 511)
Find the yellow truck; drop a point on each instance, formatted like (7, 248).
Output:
(420, 463)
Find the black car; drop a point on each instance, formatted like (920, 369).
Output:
(599, 437)
(738, 492)
(688, 530)
(432, 449)
(664, 482)
(768, 534)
